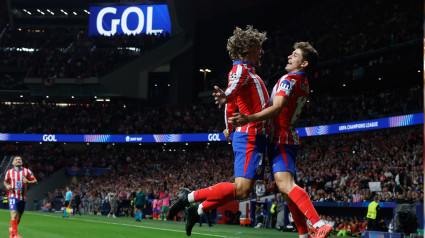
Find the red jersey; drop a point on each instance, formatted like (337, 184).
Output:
(247, 92)
(19, 189)
(294, 87)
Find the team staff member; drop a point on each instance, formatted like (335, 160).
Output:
(16, 182)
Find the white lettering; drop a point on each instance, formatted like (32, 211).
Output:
(49, 138)
(214, 137)
(123, 21)
(124, 17)
(99, 21)
(149, 23)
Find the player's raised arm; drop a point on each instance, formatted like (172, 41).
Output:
(219, 96)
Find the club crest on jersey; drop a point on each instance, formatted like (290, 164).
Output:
(19, 185)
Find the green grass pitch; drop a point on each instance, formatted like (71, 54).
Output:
(52, 225)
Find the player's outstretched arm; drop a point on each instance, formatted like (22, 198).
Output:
(273, 111)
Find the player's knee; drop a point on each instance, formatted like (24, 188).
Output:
(286, 197)
(285, 187)
(241, 192)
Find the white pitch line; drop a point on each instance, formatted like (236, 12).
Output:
(123, 224)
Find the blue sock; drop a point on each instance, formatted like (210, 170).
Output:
(64, 212)
(140, 214)
(137, 215)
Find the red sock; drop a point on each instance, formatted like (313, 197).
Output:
(210, 205)
(303, 202)
(298, 217)
(219, 192)
(14, 224)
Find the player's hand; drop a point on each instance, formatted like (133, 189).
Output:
(8, 187)
(227, 135)
(25, 180)
(238, 119)
(219, 97)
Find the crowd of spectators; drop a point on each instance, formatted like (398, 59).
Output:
(339, 168)
(350, 28)
(136, 118)
(347, 29)
(334, 168)
(71, 53)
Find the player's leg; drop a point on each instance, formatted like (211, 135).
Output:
(14, 214)
(14, 222)
(249, 166)
(299, 218)
(283, 164)
(278, 165)
(21, 208)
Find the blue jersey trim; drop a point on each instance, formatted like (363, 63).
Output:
(304, 74)
(242, 62)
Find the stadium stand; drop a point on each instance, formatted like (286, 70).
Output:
(332, 169)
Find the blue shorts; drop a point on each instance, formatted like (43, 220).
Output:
(282, 157)
(16, 205)
(249, 155)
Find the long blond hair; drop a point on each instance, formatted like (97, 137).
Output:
(242, 41)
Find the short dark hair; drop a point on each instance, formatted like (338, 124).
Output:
(308, 53)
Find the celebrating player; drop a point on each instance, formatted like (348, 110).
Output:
(288, 99)
(247, 92)
(16, 182)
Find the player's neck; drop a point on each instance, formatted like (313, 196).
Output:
(17, 168)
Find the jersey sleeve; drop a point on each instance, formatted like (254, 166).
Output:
(235, 80)
(30, 175)
(230, 108)
(7, 177)
(284, 87)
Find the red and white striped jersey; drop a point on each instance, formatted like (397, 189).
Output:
(247, 92)
(19, 189)
(294, 87)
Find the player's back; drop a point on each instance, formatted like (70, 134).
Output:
(295, 88)
(246, 91)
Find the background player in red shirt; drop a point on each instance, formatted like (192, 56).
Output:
(289, 97)
(247, 92)
(16, 182)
